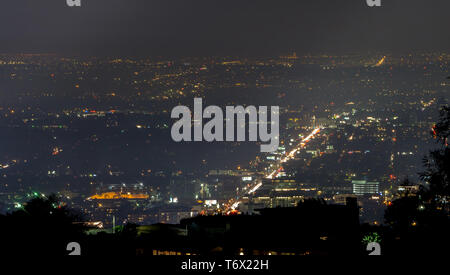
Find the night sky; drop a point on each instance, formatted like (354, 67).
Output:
(222, 27)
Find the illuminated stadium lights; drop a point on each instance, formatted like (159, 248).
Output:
(116, 195)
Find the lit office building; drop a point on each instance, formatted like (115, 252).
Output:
(363, 187)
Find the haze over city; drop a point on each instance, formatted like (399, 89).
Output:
(86, 96)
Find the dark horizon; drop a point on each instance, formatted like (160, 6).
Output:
(219, 28)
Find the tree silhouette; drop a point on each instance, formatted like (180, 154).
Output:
(437, 164)
(42, 226)
(419, 221)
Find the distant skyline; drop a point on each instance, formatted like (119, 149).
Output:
(205, 27)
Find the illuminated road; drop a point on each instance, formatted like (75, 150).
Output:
(379, 63)
(233, 204)
(291, 154)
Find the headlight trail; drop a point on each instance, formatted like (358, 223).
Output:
(274, 173)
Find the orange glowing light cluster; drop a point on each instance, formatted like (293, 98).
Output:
(56, 151)
(379, 63)
(116, 195)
